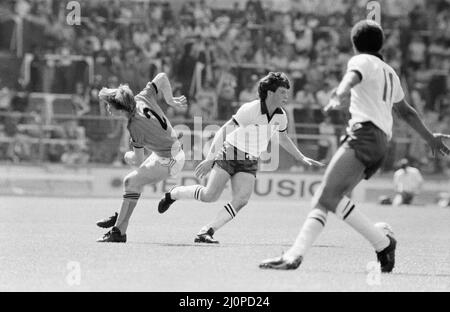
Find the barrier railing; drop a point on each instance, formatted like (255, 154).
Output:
(21, 132)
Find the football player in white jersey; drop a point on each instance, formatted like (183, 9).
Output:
(371, 90)
(246, 136)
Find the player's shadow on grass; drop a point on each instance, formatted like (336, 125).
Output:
(229, 245)
(421, 274)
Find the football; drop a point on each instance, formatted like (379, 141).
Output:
(130, 158)
(385, 228)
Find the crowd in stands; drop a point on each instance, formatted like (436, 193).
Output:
(215, 55)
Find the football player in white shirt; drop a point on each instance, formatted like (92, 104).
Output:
(408, 182)
(242, 139)
(371, 90)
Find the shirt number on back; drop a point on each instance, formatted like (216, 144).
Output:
(162, 121)
(391, 86)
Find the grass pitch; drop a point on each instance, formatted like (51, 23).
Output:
(45, 240)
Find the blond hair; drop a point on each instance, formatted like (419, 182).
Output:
(121, 98)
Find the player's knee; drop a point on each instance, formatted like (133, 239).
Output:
(126, 181)
(130, 184)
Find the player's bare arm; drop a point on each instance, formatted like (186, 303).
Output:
(291, 148)
(163, 84)
(340, 97)
(411, 117)
(205, 166)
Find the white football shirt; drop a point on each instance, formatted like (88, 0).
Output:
(372, 99)
(256, 127)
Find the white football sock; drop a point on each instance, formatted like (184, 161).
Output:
(187, 192)
(311, 229)
(128, 204)
(223, 217)
(360, 223)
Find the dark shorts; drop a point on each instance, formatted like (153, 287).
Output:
(407, 197)
(233, 160)
(370, 144)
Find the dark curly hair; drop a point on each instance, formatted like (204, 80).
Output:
(272, 82)
(368, 37)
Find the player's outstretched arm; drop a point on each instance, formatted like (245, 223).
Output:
(411, 117)
(291, 148)
(341, 95)
(163, 84)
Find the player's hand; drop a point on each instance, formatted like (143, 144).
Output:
(333, 102)
(179, 102)
(130, 158)
(438, 146)
(203, 168)
(312, 162)
(337, 100)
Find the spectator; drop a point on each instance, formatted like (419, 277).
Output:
(103, 63)
(75, 154)
(18, 148)
(204, 64)
(226, 90)
(96, 129)
(442, 103)
(418, 17)
(206, 103)
(202, 13)
(185, 68)
(130, 39)
(111, 42)
(444, 200)
(236, 14)
(167, 13)
(417, 51)
(22, 8)
(306, 98)
(80, 100)
(254, 12)
(250, 92)
(20, 101)
(5, 98)
(408, 183)
(304, 39)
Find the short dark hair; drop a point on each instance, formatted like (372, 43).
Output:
(403, 163)
(367, 37)
(272, 82)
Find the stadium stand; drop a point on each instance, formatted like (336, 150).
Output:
(214, 48)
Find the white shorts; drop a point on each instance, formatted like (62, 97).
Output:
(174, 164)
